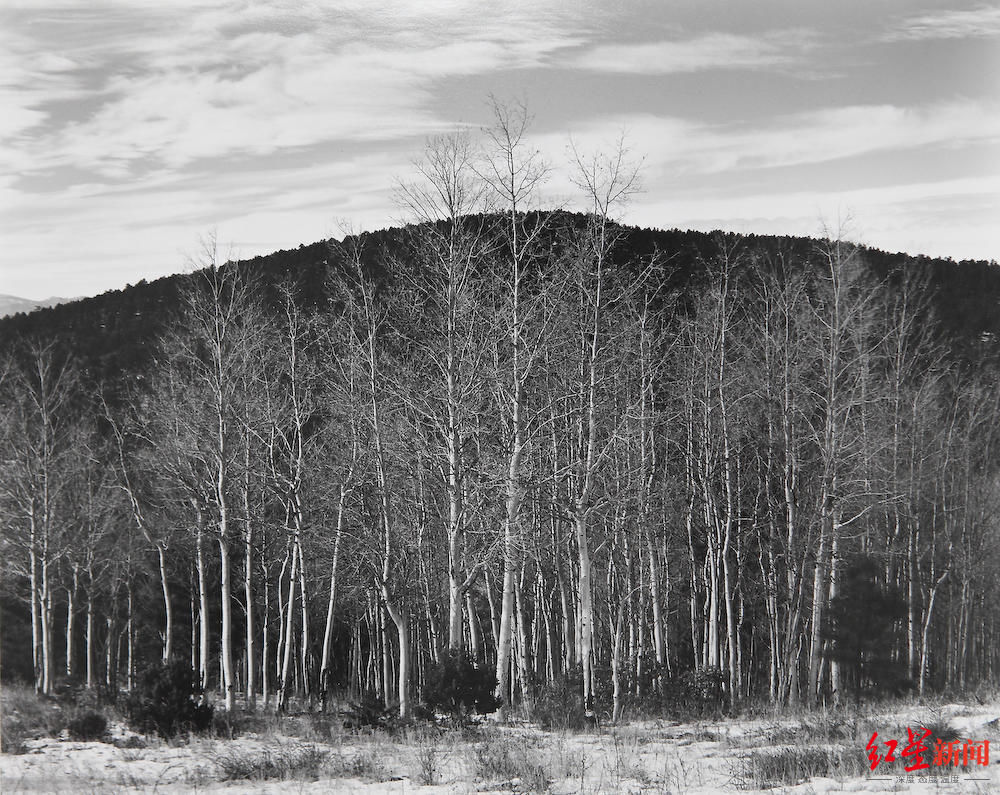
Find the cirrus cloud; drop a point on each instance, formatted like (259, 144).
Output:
(981, 22)
(709, 51)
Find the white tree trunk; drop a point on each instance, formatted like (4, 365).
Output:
(202, 607)
(227, 620)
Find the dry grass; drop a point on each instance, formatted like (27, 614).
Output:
(794, 765)
(306, 763)
(627, 760)
(24, 715)
(316, 751)
(509, 761)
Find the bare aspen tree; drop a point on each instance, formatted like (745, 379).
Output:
(780, 296)
(607, 181)
(344, 468)
(451, 257)
(291, 405)
(370, 322)
(206, 360)
(513, 173)
(844, 336)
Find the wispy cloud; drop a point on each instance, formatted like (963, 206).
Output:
(982, 22)
(709, 51)
(95, 237)
(176, 87)
(685, 146)
(129, 128)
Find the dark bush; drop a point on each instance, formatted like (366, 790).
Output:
(559, 705)
(88, 727)
(369, 713)
(12, 739)
(697, 692)
(705, 687)
(225, 725)
(458, 686)
(422, 712)
(167, 701)
(861, 617)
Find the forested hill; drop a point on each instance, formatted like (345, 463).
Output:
(112, 332)
(621, 463)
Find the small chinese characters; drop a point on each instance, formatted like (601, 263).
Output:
(937, 778)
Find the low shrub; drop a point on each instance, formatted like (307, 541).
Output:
(167, 701)
(36, 715)
(502, 759)
(428, 763)
(12, 739)
(559, 706)
(564, 760)
(369, 713)
(364, 764)
(459, 686)
(694, 693)
(88, 727)
(792, 766)
(226, 725)
(627, 762)
(305, 764)
(321, 727)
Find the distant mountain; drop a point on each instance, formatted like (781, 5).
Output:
(11, 304)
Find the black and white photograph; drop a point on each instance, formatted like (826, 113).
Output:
(460, 397)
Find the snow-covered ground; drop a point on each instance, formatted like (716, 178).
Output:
(646, 756)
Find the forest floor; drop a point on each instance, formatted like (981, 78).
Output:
(808, 752)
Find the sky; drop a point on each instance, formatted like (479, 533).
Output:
(130, 130)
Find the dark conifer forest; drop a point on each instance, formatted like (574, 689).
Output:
(588, 455)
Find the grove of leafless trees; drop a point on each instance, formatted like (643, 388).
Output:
(512, 435)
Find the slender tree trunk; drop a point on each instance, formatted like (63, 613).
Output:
(401, 621)
(227, 618)
(130, 637)
(89, 630)
(522, 656)
(586, 610)
(203, 625)
(925, 631)
(475, 630)
(306, 667)
(70, 615)
(265, 642)
(168, 621)
(36, 628)
(510, 556)
(332, 599)
(287, 633)
(250, 657)
(45, 603)
(494, 617)
(455, 508)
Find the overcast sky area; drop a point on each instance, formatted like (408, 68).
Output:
(128, 130)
